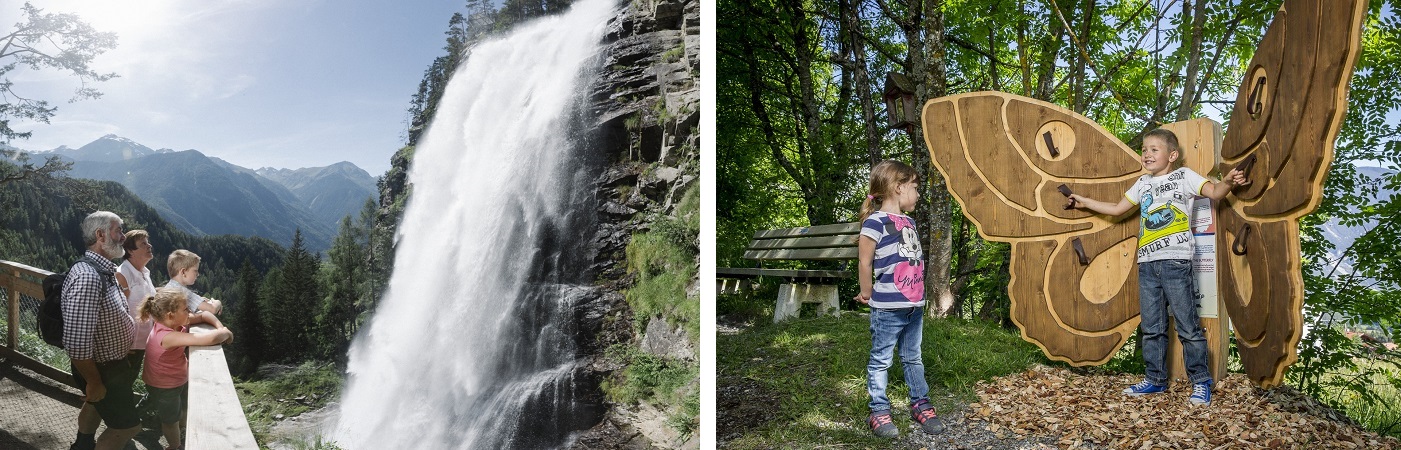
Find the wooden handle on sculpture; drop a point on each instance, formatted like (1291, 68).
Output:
(1242, 235)
(1080, 252)
(1064, 190)
(1246, 164)
(1051, 146)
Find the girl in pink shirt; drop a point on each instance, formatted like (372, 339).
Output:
(167, 368)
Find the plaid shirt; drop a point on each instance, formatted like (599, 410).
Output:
(96, 324)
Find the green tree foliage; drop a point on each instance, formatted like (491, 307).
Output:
(348, 289)
(291, 298)
(42, 41)
(245, 316)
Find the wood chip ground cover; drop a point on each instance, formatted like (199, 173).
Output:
(1089, 411)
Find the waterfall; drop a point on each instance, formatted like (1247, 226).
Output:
(473, 343)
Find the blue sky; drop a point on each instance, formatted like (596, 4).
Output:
(259, 83)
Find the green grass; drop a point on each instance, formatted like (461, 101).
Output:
(664, 260)
(1382, 415)
(662, 381)
(308, 387)
(33, 346)
(811, 374)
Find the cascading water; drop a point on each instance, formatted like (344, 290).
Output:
(473, 344)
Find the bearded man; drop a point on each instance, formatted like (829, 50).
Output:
(97, 334)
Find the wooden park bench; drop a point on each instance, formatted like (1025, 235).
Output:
(834, 242)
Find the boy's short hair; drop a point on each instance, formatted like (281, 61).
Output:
(180, 260)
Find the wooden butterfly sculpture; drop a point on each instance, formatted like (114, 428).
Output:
(1074, 284)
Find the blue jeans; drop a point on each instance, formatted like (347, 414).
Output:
(889, 326)
(1162, 286)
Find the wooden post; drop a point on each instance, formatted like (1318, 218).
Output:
(11, 287)
(1201, 143)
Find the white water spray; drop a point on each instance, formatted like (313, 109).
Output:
(472, 344)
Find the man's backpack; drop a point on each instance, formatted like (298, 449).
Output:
(51, 311)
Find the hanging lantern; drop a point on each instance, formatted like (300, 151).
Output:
(900, 101)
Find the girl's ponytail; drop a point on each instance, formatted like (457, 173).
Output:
(885, 176)
(869, 206)
(167, 300)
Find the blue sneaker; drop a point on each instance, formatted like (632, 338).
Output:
(1201, 393)
(1144, 387)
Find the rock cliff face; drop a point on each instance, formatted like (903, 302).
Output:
(646, 105)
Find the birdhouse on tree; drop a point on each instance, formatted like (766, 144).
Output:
(900, 102)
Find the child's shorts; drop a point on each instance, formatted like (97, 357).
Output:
(167, 404)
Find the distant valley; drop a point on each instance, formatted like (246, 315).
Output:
(204, 195)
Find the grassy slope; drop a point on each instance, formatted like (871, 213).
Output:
(809, 375)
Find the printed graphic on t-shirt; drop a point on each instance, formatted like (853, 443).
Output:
(1165, 228)
(909, 274)
(1161, 227)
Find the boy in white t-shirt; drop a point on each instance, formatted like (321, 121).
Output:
(1165, 280)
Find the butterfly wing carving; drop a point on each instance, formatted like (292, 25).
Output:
(1287, 115)
(1003, 157)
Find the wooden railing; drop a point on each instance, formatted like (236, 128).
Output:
(24, 285)
(218, 423)
(216, 419)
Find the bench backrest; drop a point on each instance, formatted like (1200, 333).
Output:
(822, 242)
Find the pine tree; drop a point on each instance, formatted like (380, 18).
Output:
(302, 287)
(343, 278)
(277, 340)
(248, 349)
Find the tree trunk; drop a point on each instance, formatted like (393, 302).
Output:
(938, 239)
(1021, 53)
(1079, 102)
(1047, 65)
(851, 19)
(1194, 58)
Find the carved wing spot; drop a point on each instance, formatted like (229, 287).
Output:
(1057, 141)
(1102, 280)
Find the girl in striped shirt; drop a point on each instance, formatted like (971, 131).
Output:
(891, 274)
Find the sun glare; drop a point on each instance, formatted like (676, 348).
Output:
(132, 21)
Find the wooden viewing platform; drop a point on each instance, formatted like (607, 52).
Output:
(40, 403)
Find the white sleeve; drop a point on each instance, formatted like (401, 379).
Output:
(1193, 181)
(1135, 191)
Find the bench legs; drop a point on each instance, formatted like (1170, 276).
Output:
(731, 286)
(792, 296)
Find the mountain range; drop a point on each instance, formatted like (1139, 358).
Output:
(1341, 235)
(203, 195)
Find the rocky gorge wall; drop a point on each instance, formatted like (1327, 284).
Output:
(646, 106)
